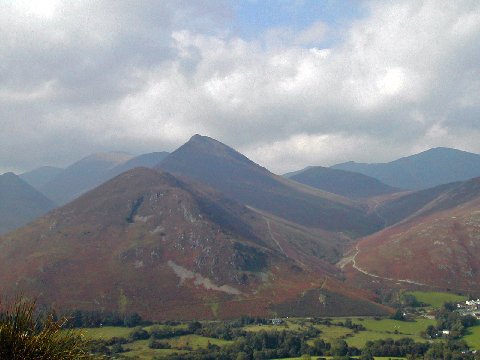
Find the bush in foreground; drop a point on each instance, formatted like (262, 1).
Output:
(25, 335)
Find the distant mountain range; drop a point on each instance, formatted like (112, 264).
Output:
(427, 169)
(204, 232)
(41, 176)
(345, 183)
(64, 185)
(20, 203)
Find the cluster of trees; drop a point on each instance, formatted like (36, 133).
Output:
(83, 319)
(448, 350)
(270, 345)
(389, 347)
(450, 320)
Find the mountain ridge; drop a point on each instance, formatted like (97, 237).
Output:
(427, 169)
(215, 164)
(342, 182)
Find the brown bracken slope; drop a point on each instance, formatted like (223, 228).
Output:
(169, 249)
(438, 245)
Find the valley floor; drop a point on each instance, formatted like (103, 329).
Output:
(375, 329)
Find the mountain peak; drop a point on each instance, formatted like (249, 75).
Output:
(210, 162)
(9, 175)
(199, 146)
(207, 141)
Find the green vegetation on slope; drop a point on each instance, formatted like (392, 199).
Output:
(436, 299)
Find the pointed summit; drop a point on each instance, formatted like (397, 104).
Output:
(207, 146)
(226, 170)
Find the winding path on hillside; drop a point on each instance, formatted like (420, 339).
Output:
(274, 238)
(352, 259)
(374, 209)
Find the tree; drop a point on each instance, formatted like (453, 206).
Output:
(138, 334)
(242, 356)
(339, 348)
(194, 326)
(398, 315)
(132, 320)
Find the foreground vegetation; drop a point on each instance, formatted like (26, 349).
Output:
(416, 334)
(26, 335)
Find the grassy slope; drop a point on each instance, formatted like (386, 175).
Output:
(436, 299)
(473, 337)
(376, 329)
(106, 332)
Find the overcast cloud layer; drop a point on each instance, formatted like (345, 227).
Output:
(87, 76)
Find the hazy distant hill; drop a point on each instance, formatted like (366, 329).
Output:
(92, 171)
(427, 169)
(82, 176)
(145, 160)
(217, 165)
(167, 249)
(341, 182)
(20, 203)
(40, 176)
(437, 244)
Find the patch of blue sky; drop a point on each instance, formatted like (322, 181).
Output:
(256, 17)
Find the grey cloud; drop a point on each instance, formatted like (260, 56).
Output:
(144, 76)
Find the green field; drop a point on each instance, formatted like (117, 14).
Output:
(389, 325)
(376, 329)
(290, 325)
(354, 357)
(330, 333)
(436, 299)
(195, 342)
(106, 332)
(141, 350)
(473, 337)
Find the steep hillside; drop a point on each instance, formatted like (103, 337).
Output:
(438, 245)
(423, 202)
(424, 170)
(151, 243)
(19, 203)
(341, 182)
(40, 176)
(217, 165)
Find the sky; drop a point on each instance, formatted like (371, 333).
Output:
(289, 83)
